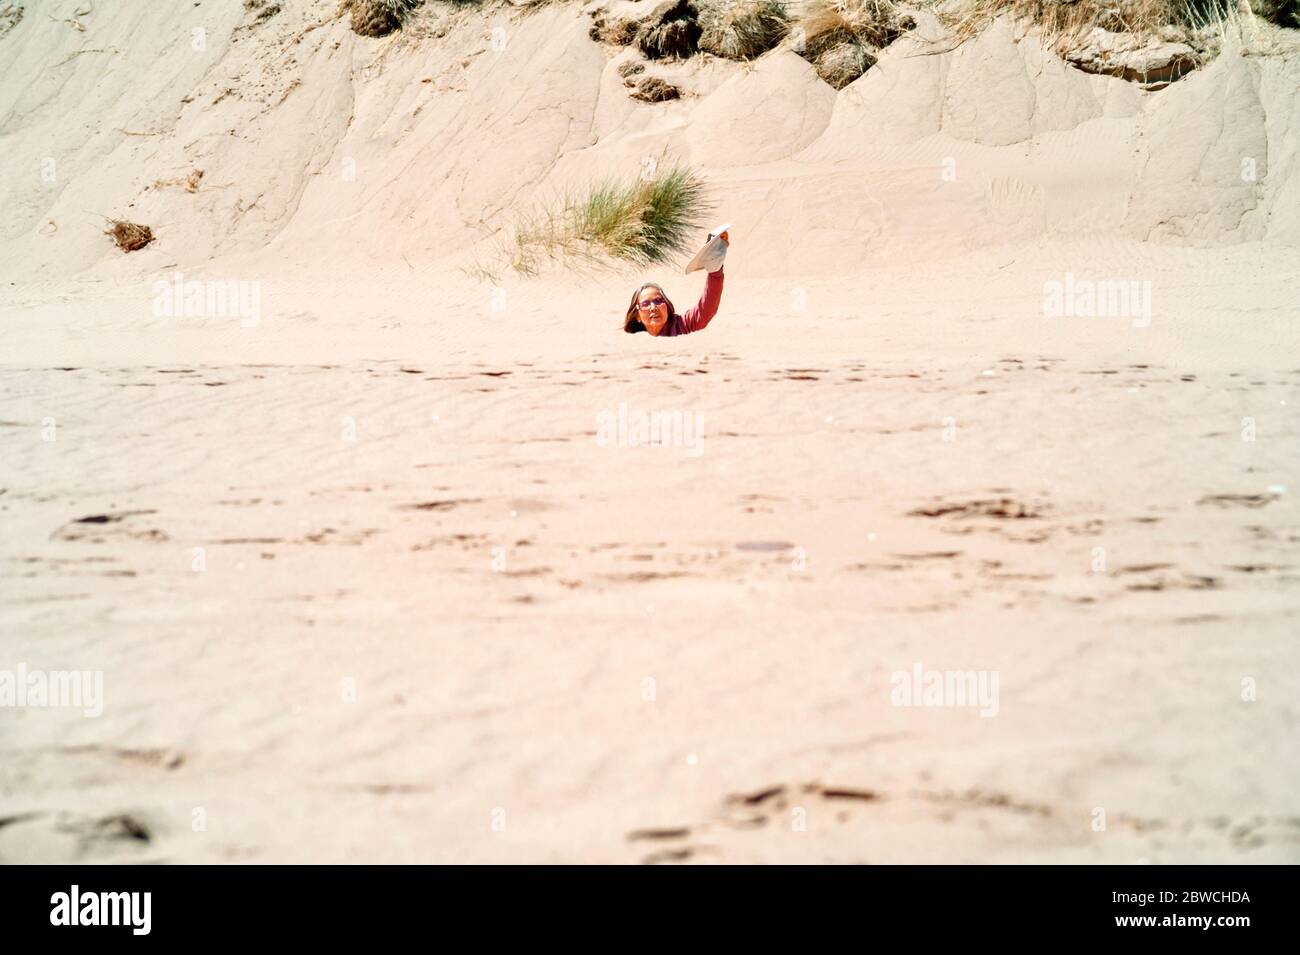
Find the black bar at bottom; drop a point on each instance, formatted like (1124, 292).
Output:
(335, 904)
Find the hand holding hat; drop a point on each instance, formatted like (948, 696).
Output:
(711, 256)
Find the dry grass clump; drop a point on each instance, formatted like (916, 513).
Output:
(1056, 19)
(379, 17)
(1062, 22)
(842, 63)
(653, 89)
(645, 221)
(842, 38)
(735, 29)
(129, 236)
(619, 32)
(647, 89)
(671, 29)
(875, 23)
(741, 29)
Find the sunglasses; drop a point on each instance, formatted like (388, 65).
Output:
(652, 303)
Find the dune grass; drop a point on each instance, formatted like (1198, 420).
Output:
(644, 221)
(671, 30)
(872, 23)
(375, 18)
(877, 23)
(741, 29)
(841, 38)
(1061, 22)
(1061, 19)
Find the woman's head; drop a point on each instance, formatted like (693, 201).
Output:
(649, 311)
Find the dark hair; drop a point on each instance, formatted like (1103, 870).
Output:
(632, 324)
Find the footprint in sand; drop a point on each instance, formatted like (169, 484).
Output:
(1238, 500)
(101, 528)
(771, 807)
(71, 837)
(1001, 508)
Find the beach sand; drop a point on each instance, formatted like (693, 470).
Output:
(369, 578)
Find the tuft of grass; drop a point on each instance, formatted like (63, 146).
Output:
(1062, 24)
(620, 31)
(645, 221)
(734, 29)
(379, 17)
(670, 30)
(872, 23)
(842, 38)
(1060, 20)
(826, 30)
(654, 89)
(842, 63)
(741, 29)
(129, 236)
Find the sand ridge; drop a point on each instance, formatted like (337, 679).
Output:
(364, 585)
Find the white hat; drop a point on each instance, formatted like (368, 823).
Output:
(713, 252)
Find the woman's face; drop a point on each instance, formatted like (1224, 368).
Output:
(652, 310)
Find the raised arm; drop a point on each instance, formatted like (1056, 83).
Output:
(700, 314)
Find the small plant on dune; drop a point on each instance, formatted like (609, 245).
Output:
(645, 221)
(129, 236)
(1057, 20)
(379, 17)
(671, 29)
(735, 29)
(841, 38)
(621, 31)
(1062, 24)
(741, 29)
(842, 63)
(654, 89)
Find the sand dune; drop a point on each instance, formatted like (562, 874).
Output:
(365, 580)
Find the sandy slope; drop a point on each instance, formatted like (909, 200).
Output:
(438, 620)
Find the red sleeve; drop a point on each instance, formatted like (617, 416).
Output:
(703, 311)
